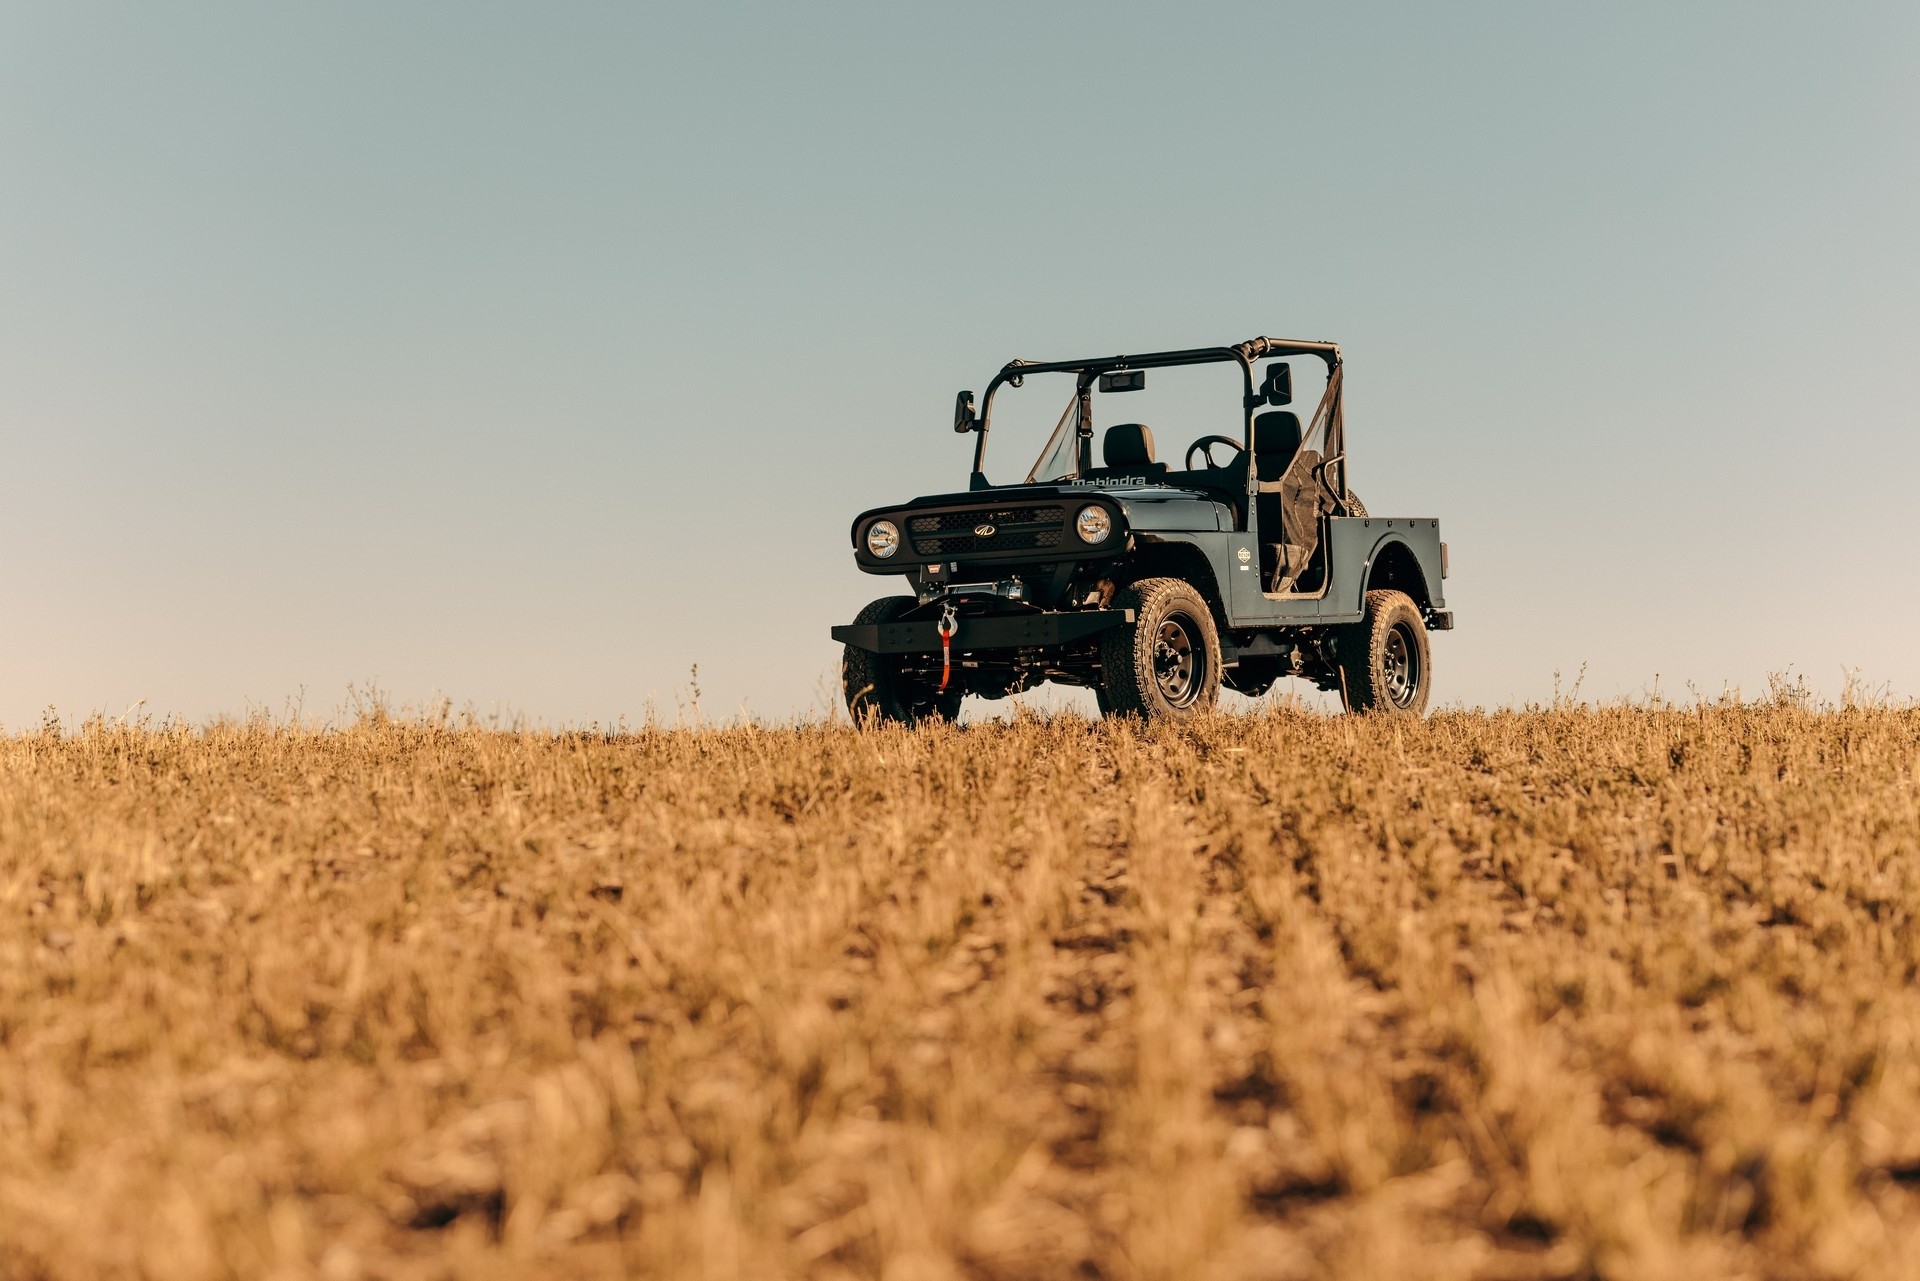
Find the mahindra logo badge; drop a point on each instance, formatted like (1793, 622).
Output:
(983, 531)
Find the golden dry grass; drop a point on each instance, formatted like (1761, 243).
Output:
(1623, 993)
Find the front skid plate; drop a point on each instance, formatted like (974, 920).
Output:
(1008, 631)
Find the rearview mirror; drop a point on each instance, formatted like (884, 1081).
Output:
(1124, 380)
(1278, 389)
(964, 419)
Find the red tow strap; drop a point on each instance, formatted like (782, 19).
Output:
(949, 624)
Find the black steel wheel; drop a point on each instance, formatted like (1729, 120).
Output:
(1176, 669)
(878, 690)
(1165, 665)
(1385, 661)
(1401, 666)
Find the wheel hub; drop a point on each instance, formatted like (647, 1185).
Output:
(1401, 664)
(1175, 665)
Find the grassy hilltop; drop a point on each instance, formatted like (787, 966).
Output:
(1625, 993)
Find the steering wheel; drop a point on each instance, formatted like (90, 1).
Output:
(1204, 448)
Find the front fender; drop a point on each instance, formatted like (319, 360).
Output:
(1198, 556)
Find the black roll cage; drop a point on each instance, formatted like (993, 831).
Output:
(1245, 354)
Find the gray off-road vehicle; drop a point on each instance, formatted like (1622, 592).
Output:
(1151, 586)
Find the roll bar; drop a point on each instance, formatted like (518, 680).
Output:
(1244, 354)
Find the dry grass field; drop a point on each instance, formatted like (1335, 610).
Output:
(1622, 993)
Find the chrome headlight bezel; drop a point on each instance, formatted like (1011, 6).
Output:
(1093, 524)
(882, 539)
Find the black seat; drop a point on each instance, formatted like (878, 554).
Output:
(1276, 439)
(1289, 505)
(1128, 448)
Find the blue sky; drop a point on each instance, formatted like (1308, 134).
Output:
(528, 355)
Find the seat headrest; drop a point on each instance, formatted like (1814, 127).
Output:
(1128, 445)
(1276, 433)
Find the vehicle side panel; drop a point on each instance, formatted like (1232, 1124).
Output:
(1248, 605)
(1353, 545)
(1245, 602)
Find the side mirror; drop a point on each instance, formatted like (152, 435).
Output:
(1278, 389)
(1124, 380)
(964, 419)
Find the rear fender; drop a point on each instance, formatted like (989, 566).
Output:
(1400, 555)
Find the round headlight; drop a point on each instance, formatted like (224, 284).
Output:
(883, 538)
(1093, 524)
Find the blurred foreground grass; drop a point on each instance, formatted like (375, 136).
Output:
(1624, 993)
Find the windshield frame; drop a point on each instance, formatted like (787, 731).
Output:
(1244, 354)
(1079, 416)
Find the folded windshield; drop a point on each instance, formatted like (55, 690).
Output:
(1060, 456)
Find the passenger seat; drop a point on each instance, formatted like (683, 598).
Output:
(1127, 449)
(1289, 500)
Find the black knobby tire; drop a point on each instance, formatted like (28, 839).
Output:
(1386, 664)
(1165, 665)
(874, 688)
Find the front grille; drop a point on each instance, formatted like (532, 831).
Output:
(1015, 529)
(1021, 540)
(1000, 516)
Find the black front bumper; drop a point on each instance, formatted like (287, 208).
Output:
(1004, 631)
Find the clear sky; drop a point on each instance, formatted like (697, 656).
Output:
(527, 355)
